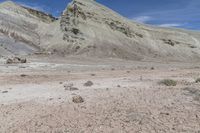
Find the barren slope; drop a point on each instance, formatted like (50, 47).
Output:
(21, 29)
(97, 32)
(104, 33)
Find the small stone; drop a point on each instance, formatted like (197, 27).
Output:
(50, 99)
(73, 89)
(15, 60)
(164, 113)
(23, 61)
(152, 68)
(77, 99)
(93, 74)
(23, 75)
(88, 83)
(68, 86)
(4, 91)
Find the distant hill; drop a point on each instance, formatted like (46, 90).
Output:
(97, 31)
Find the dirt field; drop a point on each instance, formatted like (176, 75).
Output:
(123, 97)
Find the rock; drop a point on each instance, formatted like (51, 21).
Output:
(170, 42)
(16, 60)
(73, 88)
(88, 83)
(152, 68)
(50, 99)
(23, 75)
(4, 91)
(67, 86)
(70, 87)
(23, 60)
(77, 99)
(112, 69)
(163, 113)
(9, 61)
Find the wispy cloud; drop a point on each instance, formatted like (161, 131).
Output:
(185, 15)
(142, 19)
(171, 25)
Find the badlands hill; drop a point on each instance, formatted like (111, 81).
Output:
(96, 32)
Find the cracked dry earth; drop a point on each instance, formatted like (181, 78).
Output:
(121, 100)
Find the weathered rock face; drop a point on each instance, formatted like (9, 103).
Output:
(21, 29)
(71, 32)
(94, 31)
(42, 16)
(98, 31)
(14, 30)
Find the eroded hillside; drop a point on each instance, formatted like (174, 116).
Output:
(95, 31)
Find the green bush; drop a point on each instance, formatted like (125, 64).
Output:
(168, 82)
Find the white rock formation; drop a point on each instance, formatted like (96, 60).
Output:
(96, 31)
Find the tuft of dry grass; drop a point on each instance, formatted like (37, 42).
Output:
(168, 82)
(77, 99)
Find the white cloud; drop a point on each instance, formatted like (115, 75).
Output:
(143, 19)
(171, 25)
(185, 14)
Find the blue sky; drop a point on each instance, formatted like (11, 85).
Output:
(166, 13)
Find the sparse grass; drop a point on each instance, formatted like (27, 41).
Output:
(77, 99)
(197, 80)
(70, 9)
(168, 82)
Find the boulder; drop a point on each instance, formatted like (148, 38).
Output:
(16, 60)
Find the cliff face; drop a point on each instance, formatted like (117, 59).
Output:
(96, 31)
(24, 30)
(17, 30)
(48, 18)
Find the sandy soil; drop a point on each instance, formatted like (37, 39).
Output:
(125, 97)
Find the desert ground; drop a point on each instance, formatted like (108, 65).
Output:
(81, 78)
(122, 97)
